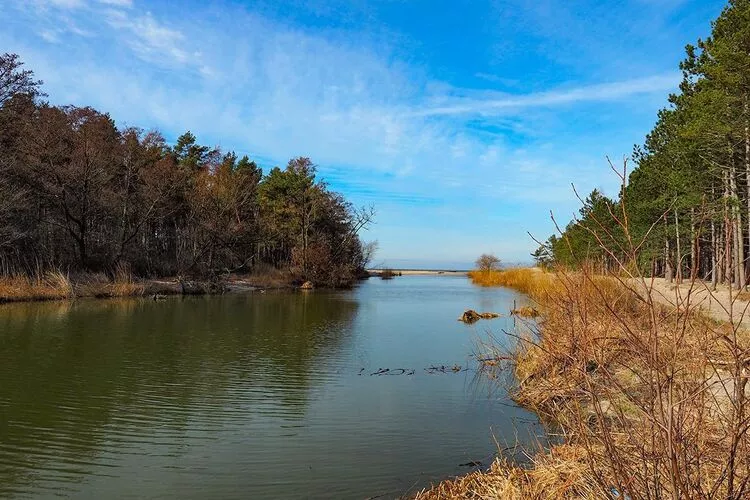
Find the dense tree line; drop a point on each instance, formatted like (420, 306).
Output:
(685, 208)
(79, 193)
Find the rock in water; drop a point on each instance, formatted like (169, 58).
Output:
(471, 316)
(307, 285)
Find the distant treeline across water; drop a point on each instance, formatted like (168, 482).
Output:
(79, 193)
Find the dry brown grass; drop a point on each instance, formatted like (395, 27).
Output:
(539, 285)
(48, 286)
(268, 277)
(100, 286)
(526, 312)
(644, 388)
(655, 396)
(56, 285)
(653, 399)
(531, 281)
(562, 473)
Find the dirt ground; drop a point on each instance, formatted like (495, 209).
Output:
(721, 304)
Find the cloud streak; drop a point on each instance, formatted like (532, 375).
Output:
(382, 130)
(151, 40)
(279, 92)
(610, 91)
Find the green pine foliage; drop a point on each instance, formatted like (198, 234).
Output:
(684, 209)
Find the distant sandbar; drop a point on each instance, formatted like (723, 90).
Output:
(420, 272)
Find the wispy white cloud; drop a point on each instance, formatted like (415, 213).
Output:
(117, 3)
(278, 92)
(63, 4)
(50, 19)
(150, 39)
(281, 92)
(384, 129)
(76, 4)
(50, 36)
(609, 91)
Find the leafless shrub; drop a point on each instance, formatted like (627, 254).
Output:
(649, 393)
(651, 388)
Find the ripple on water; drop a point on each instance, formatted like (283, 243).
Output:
(246, 396)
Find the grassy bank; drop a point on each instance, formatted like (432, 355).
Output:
(563, 472)
(56, 285)
(531, 281)
(651, 400)
(534, 282)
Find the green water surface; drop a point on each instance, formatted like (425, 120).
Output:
(250, 395)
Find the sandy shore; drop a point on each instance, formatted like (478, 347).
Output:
(720, 304)
(421, 272)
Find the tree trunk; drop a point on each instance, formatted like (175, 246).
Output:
(727, 254)
(678, 257)
(667, 260)
(694, 264)
(714, 263)
(747, 172)
(125, 209)
(82, 251)
(739, 241)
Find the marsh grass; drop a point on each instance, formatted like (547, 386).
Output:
(267, 276)
(530, 281)
(47, 286)
(388, 274)
(122, 284)
(651, 400)
(57, 285)
(561, 473)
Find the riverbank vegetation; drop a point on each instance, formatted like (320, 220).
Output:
(649, 397)
(56, 285)
(687, 200)
(560, 474)
(80, 196)
(530, 281)
(646, 384)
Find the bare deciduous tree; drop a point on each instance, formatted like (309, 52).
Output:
(78, 193)
(487, 262)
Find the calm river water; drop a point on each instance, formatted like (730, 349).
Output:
(250, 395)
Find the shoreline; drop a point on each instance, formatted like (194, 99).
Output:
(418, 272)
(584, 374)
(59, 287)
(54, 286)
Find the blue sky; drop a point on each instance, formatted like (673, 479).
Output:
(463, 122)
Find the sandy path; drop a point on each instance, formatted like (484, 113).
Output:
(717, 304)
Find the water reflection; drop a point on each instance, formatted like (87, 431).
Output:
(80, 377)
(248, 395)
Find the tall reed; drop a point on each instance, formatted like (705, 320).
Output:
(58, 285)
(47, 286)
(650, 393)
